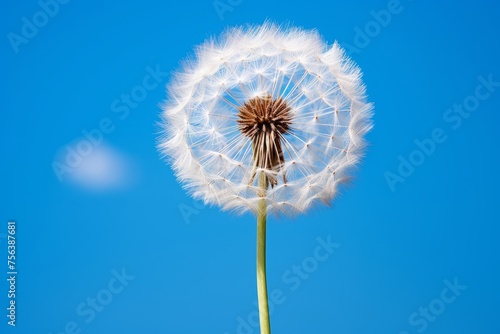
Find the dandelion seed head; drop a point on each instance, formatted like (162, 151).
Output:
(271, 100)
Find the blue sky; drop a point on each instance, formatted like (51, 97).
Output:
(115, 245)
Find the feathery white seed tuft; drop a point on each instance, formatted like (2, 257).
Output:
(314, 135)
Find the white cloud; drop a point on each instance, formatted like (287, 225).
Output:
(98, 168)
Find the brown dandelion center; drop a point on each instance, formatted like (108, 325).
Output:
(265, 120)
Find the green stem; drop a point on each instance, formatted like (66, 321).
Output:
(265, 325)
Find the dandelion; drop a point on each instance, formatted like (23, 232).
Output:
(265, 120)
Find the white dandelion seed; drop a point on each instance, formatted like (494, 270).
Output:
(327, 119)
(265, 119)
